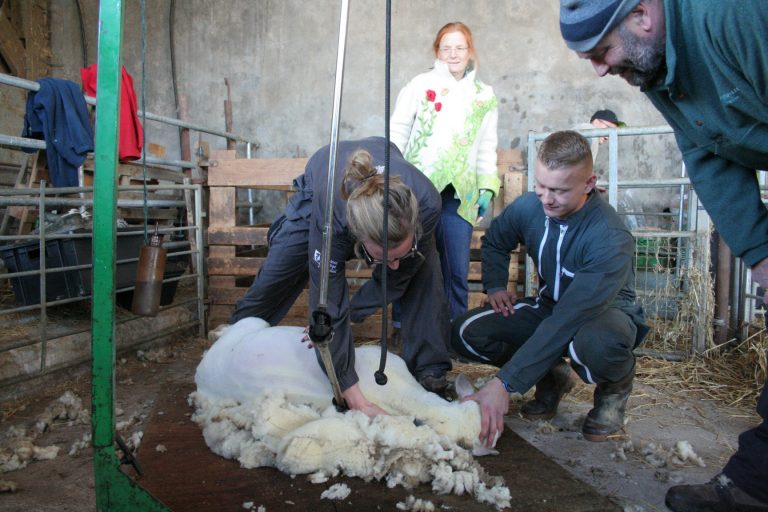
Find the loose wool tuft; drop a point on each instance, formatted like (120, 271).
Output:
(263, 400)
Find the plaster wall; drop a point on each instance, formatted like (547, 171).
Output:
(280, 55)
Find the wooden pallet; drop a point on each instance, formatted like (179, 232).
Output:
(229, 273)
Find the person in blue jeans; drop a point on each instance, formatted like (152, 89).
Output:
(444, 123)
(703, 64)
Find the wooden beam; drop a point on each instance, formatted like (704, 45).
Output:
(249, 266)
(514, 186)
(136, 172)
(37, 39)
(238, 235)
(11, 49)
(267, 173)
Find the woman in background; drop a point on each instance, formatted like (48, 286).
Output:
(444, 123)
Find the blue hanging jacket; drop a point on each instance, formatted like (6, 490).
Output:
(57, 113)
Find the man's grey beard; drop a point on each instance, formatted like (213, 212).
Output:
(646, 60)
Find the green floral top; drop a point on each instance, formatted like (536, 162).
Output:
(447, 128)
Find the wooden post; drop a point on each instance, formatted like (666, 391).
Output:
(186, 152)
(228, 115)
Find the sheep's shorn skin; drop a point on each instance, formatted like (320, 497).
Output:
(262, 399)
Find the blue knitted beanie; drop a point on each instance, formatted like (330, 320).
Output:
(583, 23)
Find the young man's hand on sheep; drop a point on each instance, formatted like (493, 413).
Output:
(493, 399)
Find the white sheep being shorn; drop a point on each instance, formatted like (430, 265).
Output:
(262, 399)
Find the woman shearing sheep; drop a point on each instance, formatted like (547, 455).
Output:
(295, 252)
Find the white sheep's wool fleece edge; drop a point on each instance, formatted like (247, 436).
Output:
(263, 400)
(336, 492)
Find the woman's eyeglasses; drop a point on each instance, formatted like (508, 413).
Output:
(447, 50)
(370, 260)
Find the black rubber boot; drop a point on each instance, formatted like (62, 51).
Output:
(718, 495)
(607, 416)
(549, 391)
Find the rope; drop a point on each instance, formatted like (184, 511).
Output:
(144, 115)
(380, 378)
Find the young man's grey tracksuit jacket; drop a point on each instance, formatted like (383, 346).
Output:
(584, 266)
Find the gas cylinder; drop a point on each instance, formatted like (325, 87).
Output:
(149, 277)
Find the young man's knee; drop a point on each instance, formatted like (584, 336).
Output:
(605, 362)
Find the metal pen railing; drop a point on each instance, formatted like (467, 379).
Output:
(16, 197)
(34, 86)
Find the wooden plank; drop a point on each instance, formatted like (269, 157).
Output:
(218, 315)
(279, 172)
(37, 38)
(249, 266)
(508, 160)
(268, 173)
(11, 49)
(222, 282)
(476, 235)
(237, 235)
(241, 266)
(221, 206)
(223, 154)
(136, 172)
(230, 295)
(514, 185)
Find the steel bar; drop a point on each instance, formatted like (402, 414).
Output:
(23, 142)
(114, 490)
(323, 345)
(34, 86)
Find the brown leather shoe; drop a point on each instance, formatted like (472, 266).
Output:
(549, 391)
(718, 495)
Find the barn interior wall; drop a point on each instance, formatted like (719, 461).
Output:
(279, 57)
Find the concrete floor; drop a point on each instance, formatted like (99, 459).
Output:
(542, 461)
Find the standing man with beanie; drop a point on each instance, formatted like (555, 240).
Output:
(704, 65)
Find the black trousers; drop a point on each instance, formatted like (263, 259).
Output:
(600, 351)
(748, 467)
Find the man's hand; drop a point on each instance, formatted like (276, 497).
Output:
(494, 404)
(760, 274)
(502, 301)
(355, 400)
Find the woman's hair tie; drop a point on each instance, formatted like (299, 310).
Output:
(378, 169)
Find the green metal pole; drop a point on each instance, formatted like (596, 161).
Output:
(115, 491)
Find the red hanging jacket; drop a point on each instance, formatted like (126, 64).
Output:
(130, 134)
